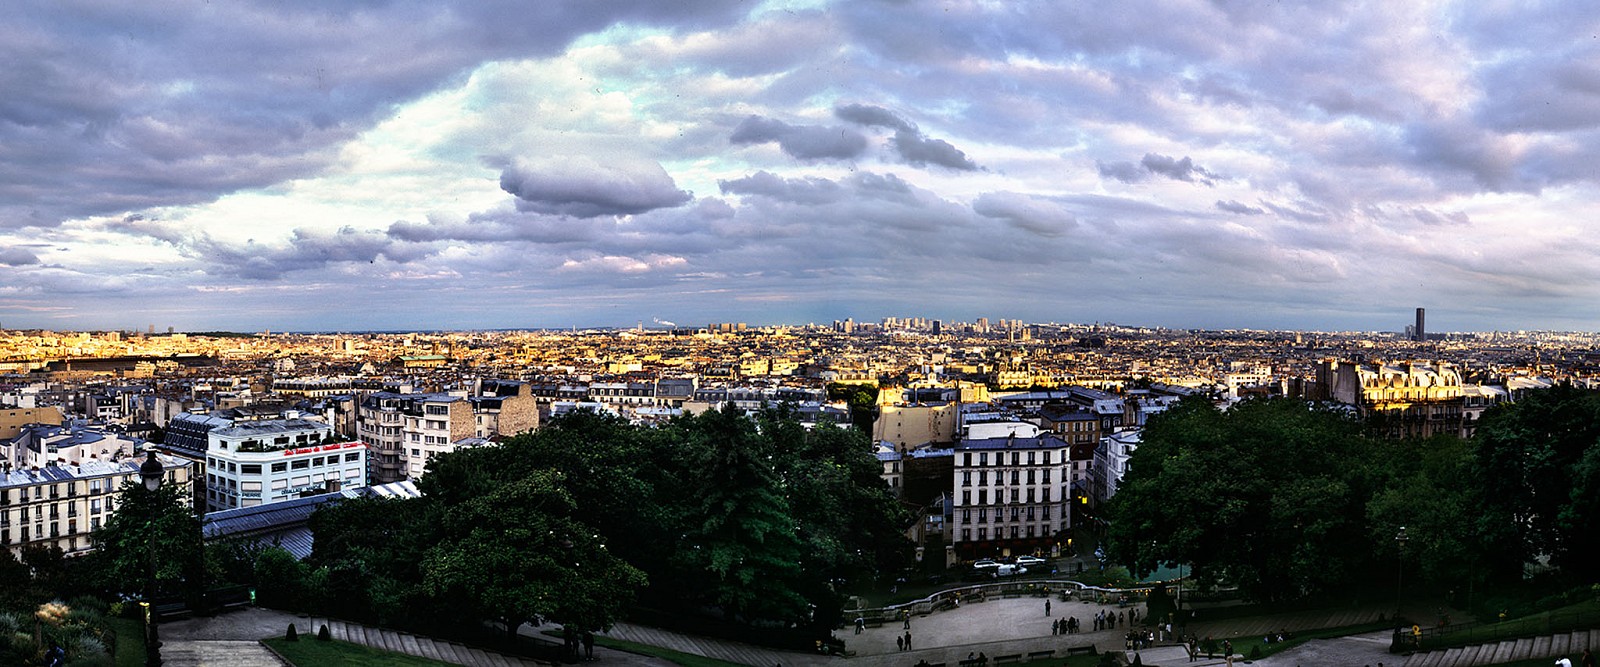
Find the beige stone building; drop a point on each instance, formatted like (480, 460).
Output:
(62, 505)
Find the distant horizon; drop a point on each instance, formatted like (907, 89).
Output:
(752, 326)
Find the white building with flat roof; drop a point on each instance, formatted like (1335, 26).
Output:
(260, 462)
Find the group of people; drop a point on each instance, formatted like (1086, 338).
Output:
(1106, 619)
(1064, 626)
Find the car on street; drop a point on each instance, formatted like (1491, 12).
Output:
(1030, 561)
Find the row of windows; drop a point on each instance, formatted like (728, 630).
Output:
(1000, 477)
(1017, 514)
(25, 535)
(1017, 532)
(41, 491)
(54, 512)
(286, 466)
(1016, 458)
(999, 496)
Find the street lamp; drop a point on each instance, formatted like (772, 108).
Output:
(150, 473)
(1400, 569)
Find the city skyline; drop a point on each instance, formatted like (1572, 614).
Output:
(413, 165)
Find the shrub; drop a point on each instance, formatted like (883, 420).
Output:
(1255, 652)
(291, 635)
(323, 634)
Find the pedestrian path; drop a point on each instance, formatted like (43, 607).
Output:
(1005, 627)
(233, 640)
(409, 644)
(729, 651)
(219, 652)
(1567, 644)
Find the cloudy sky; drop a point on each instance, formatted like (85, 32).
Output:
(494, 164)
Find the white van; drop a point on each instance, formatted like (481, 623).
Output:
(1007, 571)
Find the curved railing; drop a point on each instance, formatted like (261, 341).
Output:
(1062, 589)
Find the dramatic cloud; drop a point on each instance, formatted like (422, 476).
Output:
(1179, 170)
(806, 142)
(582, 187)
(913, 147)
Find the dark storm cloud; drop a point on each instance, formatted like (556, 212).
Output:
(1232, 206)
(111, 106)
(18, 257)
(863, 114)
(1127, 172)
(806, 142)
(1179, 170)
(910, 143)
(584, 188)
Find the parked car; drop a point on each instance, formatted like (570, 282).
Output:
(985, 564)
(1030, 561)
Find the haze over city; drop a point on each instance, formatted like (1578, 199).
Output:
(431, 165)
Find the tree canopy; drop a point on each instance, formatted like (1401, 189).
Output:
(1286, 499)
(755, 519)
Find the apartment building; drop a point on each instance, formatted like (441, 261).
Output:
(62, 505)
(405, 430)
(40, 445)
(504, 408)
(1009, 496)
(266, 461)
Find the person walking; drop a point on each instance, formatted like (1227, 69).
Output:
(861, 624)
(1227, 651)
(908, 640)
(899, 644)
(1047, 607)
(588, 645)
(905, 615)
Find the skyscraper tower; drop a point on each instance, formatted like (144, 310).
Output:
(1422, 333)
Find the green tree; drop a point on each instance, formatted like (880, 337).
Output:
(367, 556)
(1269, 496)
(516, 555)
(850, 526)
(1536, 464)
(151, 530)
(1421, 487)
(739, 550)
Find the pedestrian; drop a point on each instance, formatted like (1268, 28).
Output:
(588, 645)
(899, 644)
(905, 614)
(908, 640)
(1588, 658)
(861, 624)
(1047, 607)
(1227, 650)
(1190, 647)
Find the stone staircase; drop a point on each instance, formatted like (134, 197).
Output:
(1494, 653)
(409, 644)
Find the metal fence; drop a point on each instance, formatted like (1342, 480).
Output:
(1417, 638)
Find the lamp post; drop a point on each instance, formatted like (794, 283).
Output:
(150, 473)
(1400, 570)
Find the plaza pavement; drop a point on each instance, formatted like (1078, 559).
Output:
(1018, 626)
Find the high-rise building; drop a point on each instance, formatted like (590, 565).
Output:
(1422, 332)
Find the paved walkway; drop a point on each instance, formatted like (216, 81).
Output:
(999, 627)
(233, 640)
(1019, 626)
